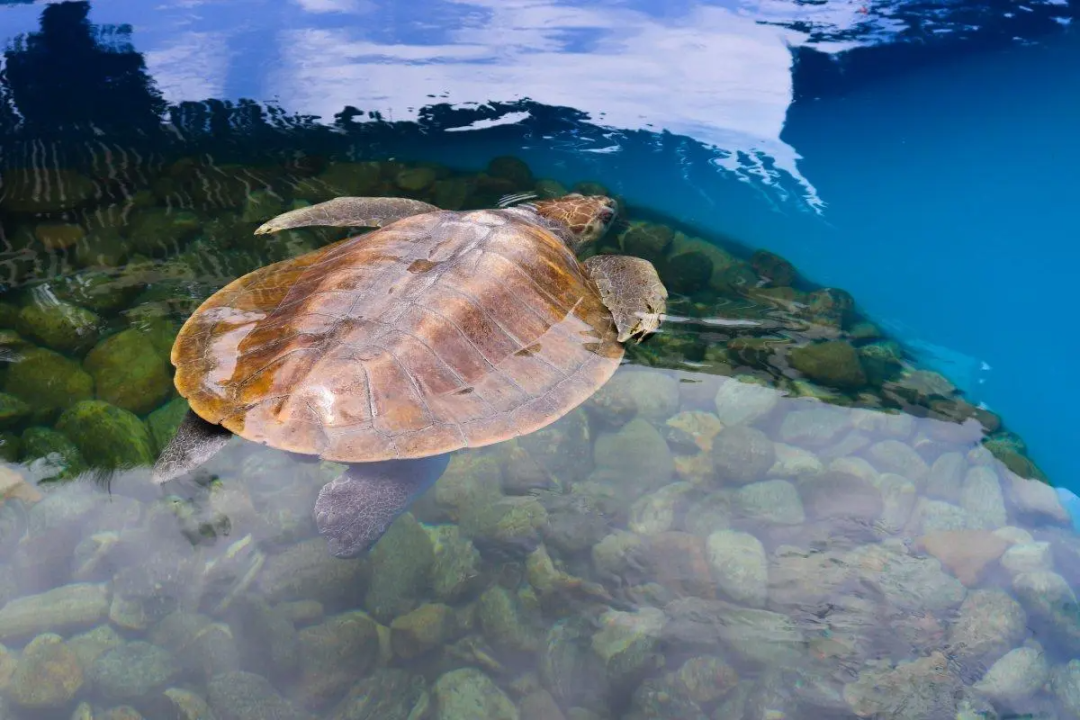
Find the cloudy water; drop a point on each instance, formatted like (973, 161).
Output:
(788, 502)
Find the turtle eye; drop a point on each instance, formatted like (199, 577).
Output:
(606, 215)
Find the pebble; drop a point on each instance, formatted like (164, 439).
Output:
(740, 566)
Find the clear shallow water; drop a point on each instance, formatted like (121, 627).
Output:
(731, 528)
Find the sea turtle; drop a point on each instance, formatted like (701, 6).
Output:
(388, 350)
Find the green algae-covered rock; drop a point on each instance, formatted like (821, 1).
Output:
(47, 675)
(400, 569)
(108, 437)
(12, 410)
(9, 315)
(775, 270)
(569, 668)
(164, 421)
(333, 655)
(627, 643)
(834, 363)
(505, 622)
(55, 450)
(247, 696)
(104, 247)
(128, 372)
(456, 571)
(132, 671)
(10, 447)
(48, 381)
(386, 694)
(467, 694)
(646, 239)
(882, 361)
(423, 629)
(59, 325)
(508, 521)
(99, 290)
(158, 231)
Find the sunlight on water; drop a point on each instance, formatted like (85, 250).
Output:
(769, 511)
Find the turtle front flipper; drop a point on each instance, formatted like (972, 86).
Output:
(348, 212)
(195, 442)
(631, 290)
(356, 509)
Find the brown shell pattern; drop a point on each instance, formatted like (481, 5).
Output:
(437, 332)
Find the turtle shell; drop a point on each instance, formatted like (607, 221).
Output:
(437, 332)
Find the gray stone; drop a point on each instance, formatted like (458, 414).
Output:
(989, 624)
(67, 608)
(758, 636)
(1048, 597)
(772, 501)
(305, 571)
(400, 569)
(937, 515)
(637, 452)
(1028, 557)
(131, 672)
(897, 457)
(386, 694)
(468, 693)
(332, 655)
(898, 500)
(793, 463)
(907, 583)
(645, 394)
(247, 696)
(627, 644)
(813, 428)
(947, 476)
(1018, 674)
(982, 499)
(744, 403)
(742, 454)
(740, 566)
(655, 513)
(1065, 682)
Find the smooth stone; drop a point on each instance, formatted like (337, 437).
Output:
(757, 636)
(897, 457)
(898, 496)
(242, 695)
(813, 428)
(982, 499)
(627, 641)
(47, 675)
(643, 394)
(469, 693)
(61, 610)
(895, 425)
(946, 476)
(907, 583)
(917, 689)
(856, 466)
(793, 463)
(740, 566)
(655, 513)
(772, 501)
(1028, 557)
(742, 455)
(744, 403)
(989, 623)
(1035, 498)
(1065, 682)
(937, 515)
(967, 553)
(1018, 674)
(333, 654)
(422, 630)
(1048, 597)
(1014, 535)
(132, 671)
(386, 694)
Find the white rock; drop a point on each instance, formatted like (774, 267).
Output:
(898, 495)
(1035, 497)
(1015, 535)
(947, 476)
(741, 403)
(740, 566)
(982, 498)
(897, 425)
(934, 515)
(1018, 674)
(654, 513)
(897, 457)
(793, 462)
(1028, 557)
(774, 501)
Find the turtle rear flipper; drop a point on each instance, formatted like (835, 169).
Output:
(631, 289)
(348, 212)
(356, 509)
(195, 442)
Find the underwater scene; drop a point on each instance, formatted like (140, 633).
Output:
(767, 509)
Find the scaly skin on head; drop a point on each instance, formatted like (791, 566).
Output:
(581, 218)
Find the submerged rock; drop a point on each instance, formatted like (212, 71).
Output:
(758, 636)
(989, 623)
(67, 608)
(740, 566)
(52, 454)
(468, 693)
(333, 654)
(644, 394)
(386, 694)
(48, 382)
(915, 690)
(46, 676)
(128, 372)
(1020, 673)
(247, 696)
(834, 363)
(133, 671)
(569, 668)
(771, 501)
(108, 437)
(422, 630)
(306, 571)
(59, 325)
(742, 454)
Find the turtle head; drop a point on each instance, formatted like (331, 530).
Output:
(582, 219)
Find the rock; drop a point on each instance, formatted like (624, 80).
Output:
(647, 240)
(108, 437)
(793, 463)
(742, 455)
(456, 571)
(775, 270)
(657, 699)
(644, 394)
(159, 231)
(705, 679)
(1019, 674)
(1028, 557)
(332, 655)
(187, 705)
(48, 382)
(59, 325)
(897, 457)
(386, 694)
(966, 553)
(896, 425)
(46, 676)
(655, 513)
(415, 179)
(511, 168)
(67, 608)
(12, 410)
(982, 499)
(505, 622)
(691, 431)
(758, 636)
(10, 447)
(261, 205)
(676, 561)
(40, 190)
(422, 630)
(686, 273)
(305, 571)
(906, 583)
(1014, 535)
(627, 644)
(575, 523)
(131, 672)
(128, 372)
(946, 476)
(739, 566)
(51, 454)
(90, 645)
(989, 624)
(301, 612)
(1035, 500)
(856, 466)
(935, 515)
(246, 696)
(914, 690)
(833, 363)
(468, 693)
(164, 421)
(898, 500)
(834, 495)
(470, 481)
(512, 523)
(813, 428)
(771, 501)
(267, 638)
(1065, 682)
(638, 451)
(568, 667)
(13, 486)
(1049, 599)
(540, 705)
